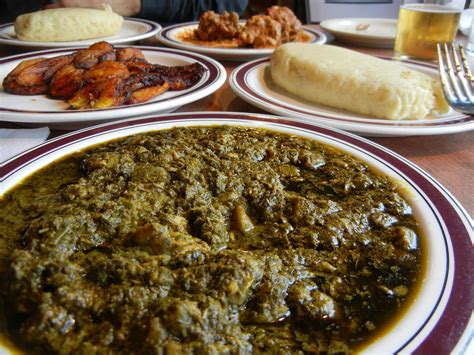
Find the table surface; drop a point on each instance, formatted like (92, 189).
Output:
(448, 158)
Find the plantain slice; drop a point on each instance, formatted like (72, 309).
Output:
(145, 94)
(66, 81)
(31, 77)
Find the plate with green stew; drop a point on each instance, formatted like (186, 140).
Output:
(229, 232)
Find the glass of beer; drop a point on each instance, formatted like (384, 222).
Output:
(423, 23)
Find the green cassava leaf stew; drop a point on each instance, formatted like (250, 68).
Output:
(219, 239)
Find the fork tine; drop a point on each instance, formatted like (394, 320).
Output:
(448, 47)
(443, 69)
(465, 64)
(462, 75)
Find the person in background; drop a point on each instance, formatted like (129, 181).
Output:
(162, 11)
(10, 9)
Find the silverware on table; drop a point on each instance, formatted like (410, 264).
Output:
(456, 77)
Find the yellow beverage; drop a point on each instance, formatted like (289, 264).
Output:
(421, 26)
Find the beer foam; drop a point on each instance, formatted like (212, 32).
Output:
(431, 8)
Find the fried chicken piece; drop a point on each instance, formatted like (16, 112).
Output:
(290, 24)
(145, 94)
(96, 53)
(129, 53)
(213, 26)
(31, 77)
(261, 31)
(66, 81)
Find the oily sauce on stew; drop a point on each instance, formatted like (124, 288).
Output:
(212, 239)
(189, 36)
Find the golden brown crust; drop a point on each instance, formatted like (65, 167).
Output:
(32, 77)
(100, 77)
(276, 26)
(96, 53)
(261, 31)
(145, 94)
(66, 81)
(129, 53)
(215, 27)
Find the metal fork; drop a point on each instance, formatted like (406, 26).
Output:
(456, 79)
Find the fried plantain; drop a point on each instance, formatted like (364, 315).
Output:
(129, 53)
(96, 53)
(31, 77)
(66, 81)
(102, 94)
(100, 77)
(145, 94)
(105, 71)
(137, 65)
(70, 79)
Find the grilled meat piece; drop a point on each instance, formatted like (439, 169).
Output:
(213, 26)
(178, 77)
(261, 31)
(31, 77)
(96, 53)
(290, 25)
(66, 81)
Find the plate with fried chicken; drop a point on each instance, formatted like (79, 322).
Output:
(70, 88)
(225, 36)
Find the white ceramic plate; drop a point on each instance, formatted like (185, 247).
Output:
(366, 32)
(169, 36)
(253, 83)
(437, 320)
(42, 110)
(132, 30)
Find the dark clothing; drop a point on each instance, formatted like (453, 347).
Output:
(10, 9)
(162, 11)
(169, 11)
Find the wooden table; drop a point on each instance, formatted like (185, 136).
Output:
(448, 158)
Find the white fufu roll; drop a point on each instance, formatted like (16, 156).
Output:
(356, 82)
(67, 24)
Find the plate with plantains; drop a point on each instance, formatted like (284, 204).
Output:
(41, 109)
